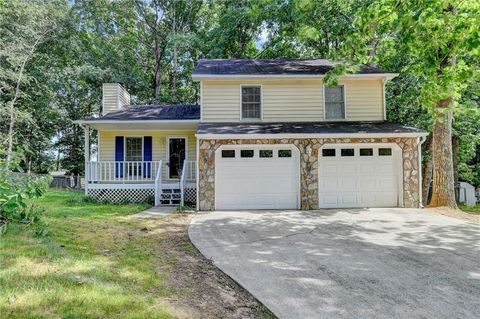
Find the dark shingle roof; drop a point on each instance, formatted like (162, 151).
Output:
(153, 112)
(271, 67)
(306, 128)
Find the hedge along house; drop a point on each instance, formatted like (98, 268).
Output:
(268, 134)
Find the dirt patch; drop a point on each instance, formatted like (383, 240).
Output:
(455, 213)
(202, 290)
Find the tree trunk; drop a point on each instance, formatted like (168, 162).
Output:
(443, 193)
(174, 74)
(11, 124)
(456, 161)
(427, 181)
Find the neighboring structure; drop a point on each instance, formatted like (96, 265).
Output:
(268, 134)
(467, 194)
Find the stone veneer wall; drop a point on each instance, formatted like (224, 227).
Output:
(308, 166)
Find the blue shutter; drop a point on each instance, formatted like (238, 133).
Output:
(119, 156)
(147, 156)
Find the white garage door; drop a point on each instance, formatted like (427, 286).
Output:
(359, 176)
(257, 177)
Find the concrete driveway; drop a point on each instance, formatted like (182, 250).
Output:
(364, 263)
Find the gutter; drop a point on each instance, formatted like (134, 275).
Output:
(309, 135)
(199, 77)
(99, 121)
(420, 179)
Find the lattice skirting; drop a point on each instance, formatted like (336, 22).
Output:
(190, 196)
(121, 195)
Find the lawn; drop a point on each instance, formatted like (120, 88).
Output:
(471, 210)
(99, 261)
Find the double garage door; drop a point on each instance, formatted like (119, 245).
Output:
(267, 176)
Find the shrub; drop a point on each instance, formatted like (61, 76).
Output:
(15, 190)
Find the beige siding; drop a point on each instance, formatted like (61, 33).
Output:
(290, 100)
(159, 144)
(114, 97)
(364, 100)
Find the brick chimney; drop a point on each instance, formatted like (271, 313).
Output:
(114, 97)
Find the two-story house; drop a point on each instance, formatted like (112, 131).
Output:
(268, 134)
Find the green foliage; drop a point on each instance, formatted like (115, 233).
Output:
(15, 191)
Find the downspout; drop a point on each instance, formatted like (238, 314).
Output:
(419, 151)
(384, 82)
(197, 175)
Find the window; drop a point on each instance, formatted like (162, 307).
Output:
(328, 152)
(284, 153)
(366, 152)
(335, 102)
(228, 153)
(246, 153)
(133, 149)
(347, 152)
(266, 153)
(251, 102)
(385, 152)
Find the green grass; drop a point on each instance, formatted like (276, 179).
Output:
(95, 263)
(471, 210)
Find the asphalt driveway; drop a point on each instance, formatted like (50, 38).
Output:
(365, 263)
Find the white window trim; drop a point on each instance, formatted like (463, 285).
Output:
(125, 147)
(261, 103)
(168, 153)
(344, 104)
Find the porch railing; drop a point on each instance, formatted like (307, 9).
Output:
(189, 175)
(112, 171)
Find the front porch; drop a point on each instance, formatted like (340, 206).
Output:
(125, 181)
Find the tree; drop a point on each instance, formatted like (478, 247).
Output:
(437, 43)
(24, 26)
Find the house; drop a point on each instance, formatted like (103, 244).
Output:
(267, 134)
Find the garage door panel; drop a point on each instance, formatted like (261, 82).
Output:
(330, 199)
(328, 183)
(329, 169)
(367, 183)
(366, 168)
(348, 183)
(359, 181)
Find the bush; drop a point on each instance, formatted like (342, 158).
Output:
(15, 190)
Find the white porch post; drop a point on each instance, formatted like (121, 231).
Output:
(87, 155)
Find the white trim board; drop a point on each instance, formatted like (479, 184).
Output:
(99, 121)
(199, 77)
(312, 135)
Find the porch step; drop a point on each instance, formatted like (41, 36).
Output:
(171, 196)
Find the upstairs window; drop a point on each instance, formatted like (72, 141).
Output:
(251, 102)
(335, 102)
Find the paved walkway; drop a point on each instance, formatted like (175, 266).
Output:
(375, 263)
(156, 212)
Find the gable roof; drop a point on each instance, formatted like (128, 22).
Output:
(271, 67)
(151, 113)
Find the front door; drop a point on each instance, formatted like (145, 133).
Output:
(176, 156)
